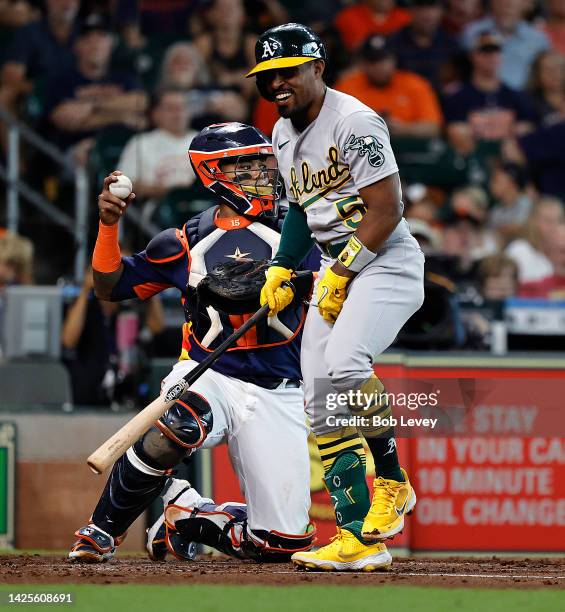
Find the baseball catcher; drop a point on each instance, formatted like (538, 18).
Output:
(251, 398)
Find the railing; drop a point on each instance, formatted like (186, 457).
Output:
(77, 226)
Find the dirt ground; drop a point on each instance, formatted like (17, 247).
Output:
(490, 572)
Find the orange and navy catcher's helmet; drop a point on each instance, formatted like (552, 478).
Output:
(236, 162)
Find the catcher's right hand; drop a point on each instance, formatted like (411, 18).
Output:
(273, 293)
(110, 207)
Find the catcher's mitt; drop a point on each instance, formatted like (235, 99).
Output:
(234, 287)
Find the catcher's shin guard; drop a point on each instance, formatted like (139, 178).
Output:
(131, 488)
(156, 544)
(160, 539)
(138, 477)
(216, 526)
(224, 528)
(274, 546)
(93, 545)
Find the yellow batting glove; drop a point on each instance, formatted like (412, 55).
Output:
(331, 294)
(273, 293)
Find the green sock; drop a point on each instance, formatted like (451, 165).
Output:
(383, 449)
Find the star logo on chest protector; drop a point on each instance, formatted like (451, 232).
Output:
(238, 254)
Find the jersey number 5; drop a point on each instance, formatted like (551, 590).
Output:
(351, 210)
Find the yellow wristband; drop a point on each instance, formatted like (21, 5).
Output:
(355, 256)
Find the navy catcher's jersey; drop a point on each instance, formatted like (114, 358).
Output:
(181, 258)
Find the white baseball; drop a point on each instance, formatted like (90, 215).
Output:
(122, 187)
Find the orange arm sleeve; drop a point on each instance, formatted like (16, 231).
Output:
(107, 256)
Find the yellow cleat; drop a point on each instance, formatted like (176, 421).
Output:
(345, 553)
(392, 500)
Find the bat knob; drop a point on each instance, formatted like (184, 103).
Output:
(94, 468)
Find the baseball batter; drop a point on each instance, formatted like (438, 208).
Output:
(250, 399)
(342, 183)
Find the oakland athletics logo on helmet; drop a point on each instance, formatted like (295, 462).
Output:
(270, 47)
(366, 145)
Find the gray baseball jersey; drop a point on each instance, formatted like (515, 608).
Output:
(345, 149)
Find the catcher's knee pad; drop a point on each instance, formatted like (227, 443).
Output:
(188, 421)
(181, 429)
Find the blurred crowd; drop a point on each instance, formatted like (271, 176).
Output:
(473, 92)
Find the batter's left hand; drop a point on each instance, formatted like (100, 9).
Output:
(274, 292)
(331, 294)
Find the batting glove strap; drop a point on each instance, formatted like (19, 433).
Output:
(331, 293)
(355, 256)
(273, 293)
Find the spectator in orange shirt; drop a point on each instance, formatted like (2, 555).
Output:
(405, 100)
(367, 17)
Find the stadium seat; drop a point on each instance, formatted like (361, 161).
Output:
(34, 382)
(108, 147)
(145, 62)
(182, 203)
(434, 163)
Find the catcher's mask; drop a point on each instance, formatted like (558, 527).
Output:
(236, 162)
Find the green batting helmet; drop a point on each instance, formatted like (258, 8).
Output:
(285, 46)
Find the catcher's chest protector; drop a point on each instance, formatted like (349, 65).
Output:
(210, 245)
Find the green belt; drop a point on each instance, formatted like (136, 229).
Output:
(332, 250)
